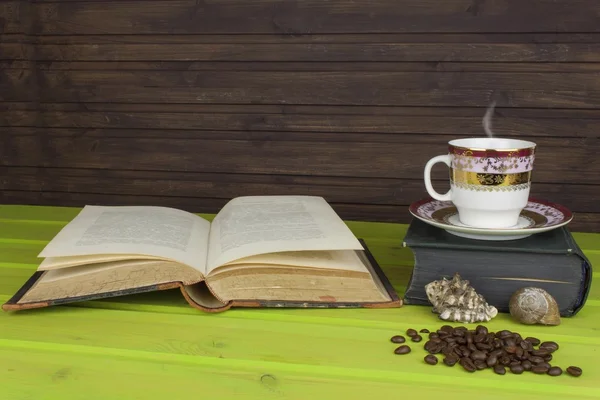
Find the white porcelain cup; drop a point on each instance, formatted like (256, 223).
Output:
(490, 179)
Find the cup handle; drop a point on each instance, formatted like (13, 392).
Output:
(441, 197)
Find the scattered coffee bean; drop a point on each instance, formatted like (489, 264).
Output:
(479, 364)
(404, 349)
(539, 369)
(431, 359)
(478, 349)
(491, 361)
(499, 369)
(555, 371)
(550, 346)
(450, 360)
(536, 359)
(398, 339)
(467, 364)
(517, 369)
(478, 355)
(534, 341)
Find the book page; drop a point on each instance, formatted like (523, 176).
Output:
(324, 259)
(253, 225)
(146, 230)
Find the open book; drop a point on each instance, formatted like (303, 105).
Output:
(259, 251)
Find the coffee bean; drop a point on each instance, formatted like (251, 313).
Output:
(510, 342)
(450, 360)
(545, 364)
(398, 339)
(491, 361)
(467, 364)
(472, 347)
(434, 335)
(417, 338)
(411, 332)
(511, 349)
(431, 359)
(424, 330)
(548, 358)
(447, 328)
(550, 346)
(525, 345)
(483, 347)
(478, 355)
(505, 360)
(404, 349)
(460, 331)
(515, 362)
(574, 371)
(540, 352)
(533, 340)
(539, 369)
(517, 369)
(526, 365)
(555, 371)
(480, 329)
(536, 359)
(503, 334)
(480, 337)
(519, 353)
(499, 369)
(480, 365)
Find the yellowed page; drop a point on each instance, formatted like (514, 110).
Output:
(51, 263)
(253, 225)
(334, 259)
(153, 231)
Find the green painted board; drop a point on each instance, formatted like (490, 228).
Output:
(154, 346)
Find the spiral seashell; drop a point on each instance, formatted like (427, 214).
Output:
(531, 305)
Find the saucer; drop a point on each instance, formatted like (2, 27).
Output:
(538, 216)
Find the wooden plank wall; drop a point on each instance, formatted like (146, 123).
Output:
(188, 103)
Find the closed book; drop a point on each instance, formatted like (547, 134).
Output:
(550, 260)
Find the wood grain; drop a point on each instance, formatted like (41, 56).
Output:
(404, 157)
(375, 191)
(301, 17)
(338, 52)
(345, 99)
(582, 222)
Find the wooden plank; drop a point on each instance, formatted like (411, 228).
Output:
(355, 66)
(14, 17)
(297, 17)
(402, 158)
(291, 109)
(583, 222)
(290, 89)
(161, 124)
(429, 52)
(327, 81)
(526, 37)
(391, 191)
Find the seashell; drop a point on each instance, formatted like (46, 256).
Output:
(456, 300)
(531, 305)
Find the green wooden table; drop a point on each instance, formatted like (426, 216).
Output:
(154, 346)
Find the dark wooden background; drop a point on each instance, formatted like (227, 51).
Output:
(189, 103)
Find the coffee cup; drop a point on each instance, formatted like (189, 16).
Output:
(490, 180)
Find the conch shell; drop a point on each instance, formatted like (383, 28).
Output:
(456, 300)
(531, 305)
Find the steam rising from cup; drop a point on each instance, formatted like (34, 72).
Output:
(487, 120)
